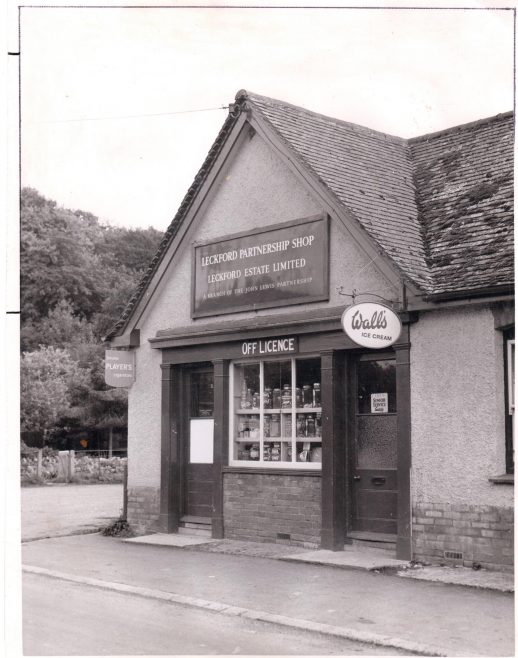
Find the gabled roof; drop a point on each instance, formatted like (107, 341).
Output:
(439, 206)
(369, 172)
(464, 184)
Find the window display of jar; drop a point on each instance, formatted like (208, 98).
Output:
(318, 425)
(267, 398)
(276, 401)
(301, 425)
(246, 396)
(255, 401)
(299, 400)
(310, 425)
(275, 425)
(307, 395)
(286, 396)
(317, 400)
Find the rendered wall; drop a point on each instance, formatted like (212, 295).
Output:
(458, 438)
(256, 190)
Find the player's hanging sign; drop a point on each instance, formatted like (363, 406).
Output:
(119, 369)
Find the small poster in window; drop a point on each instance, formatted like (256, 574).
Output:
(379, 403)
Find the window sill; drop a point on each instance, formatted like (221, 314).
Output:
(259, 470)
(508, 478)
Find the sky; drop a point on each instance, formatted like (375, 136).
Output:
(91, 79)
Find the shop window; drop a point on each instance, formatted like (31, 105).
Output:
(276, 414)
(509, 357)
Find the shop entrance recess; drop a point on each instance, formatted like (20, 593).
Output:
(373, 508)
(198, 445)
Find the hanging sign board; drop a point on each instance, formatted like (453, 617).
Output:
(119, 368)
(271, 266)
(371, 325)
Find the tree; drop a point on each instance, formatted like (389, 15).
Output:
(48, 378)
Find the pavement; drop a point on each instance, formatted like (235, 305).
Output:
(256, 582)
(350, 558)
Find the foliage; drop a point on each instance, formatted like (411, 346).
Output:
(77, 276)
(48, 379)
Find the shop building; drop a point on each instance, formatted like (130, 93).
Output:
(253, 415)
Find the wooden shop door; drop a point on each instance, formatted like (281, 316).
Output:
(199, 443)
(374, 488)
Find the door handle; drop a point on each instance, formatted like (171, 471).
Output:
(377, 481)
(356, 477)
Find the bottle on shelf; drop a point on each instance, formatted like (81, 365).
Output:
(318, 424)
(301, 425)
(299, 399)
(275, 425)
(286, 397)
(307, 395)
(317, 400)
(246, 400)
(276, 398)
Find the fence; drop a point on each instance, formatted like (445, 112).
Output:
(45, 465)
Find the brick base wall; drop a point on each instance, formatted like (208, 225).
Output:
(483, 534)
(143, 509)
(260, 507)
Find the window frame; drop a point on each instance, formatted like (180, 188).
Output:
(261, 463)
(509, 390)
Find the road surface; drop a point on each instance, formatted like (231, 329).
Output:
(70, 619)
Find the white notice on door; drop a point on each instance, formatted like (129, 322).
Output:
(379, 403)
(201, 441)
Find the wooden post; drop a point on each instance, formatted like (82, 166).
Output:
(71, 464)
(125, 493)
(39, 463)
(170, 485)
(404, 452)
(220, 443)
(333, 450)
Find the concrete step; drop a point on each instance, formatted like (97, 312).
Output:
(372, 541)
(201, 531)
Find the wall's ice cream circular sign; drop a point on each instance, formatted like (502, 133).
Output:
(371, 325)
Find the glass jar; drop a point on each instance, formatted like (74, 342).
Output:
(307, 396)
(255, 401)
(310, 425)
(246, 402)
(286, 397)
(317, 398)
(275, 425)
(299, 400)
(301, 425)
(267, 426)
(287, 425)
(276, 403)
(254, 452)
(267, 398)
(318, 425)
